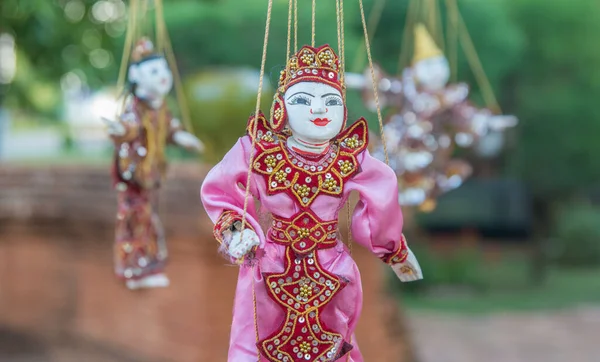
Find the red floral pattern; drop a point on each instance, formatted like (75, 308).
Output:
(304, 233)
(305, 179)
(303, 290)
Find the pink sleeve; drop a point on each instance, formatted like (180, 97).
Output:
(377, 220)
(223, 191)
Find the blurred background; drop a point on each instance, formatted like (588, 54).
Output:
(511, 259)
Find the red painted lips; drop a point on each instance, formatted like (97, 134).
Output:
(321, 122)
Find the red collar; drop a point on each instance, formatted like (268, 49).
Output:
(310, 154)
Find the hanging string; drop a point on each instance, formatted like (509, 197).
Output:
(430, 10)
(340, 32)
(439, 25)
(251, 161)
(127, 48)
(160, 45)
(314, 21)
(342, 78)
(257, 109)
(338, 26)
(412, 14)
(288, 53)
(160, 26)
(343, 54)
(179, 93)
(295, 24)
(475, 63)
(373, 79)
(374, 18)
(143, 23)
(452, 33)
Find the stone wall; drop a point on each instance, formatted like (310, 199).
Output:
(59, 301)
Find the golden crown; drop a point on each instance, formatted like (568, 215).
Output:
(425, 46)
(312, 64)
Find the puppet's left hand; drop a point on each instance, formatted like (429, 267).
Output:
(188, 141)
(502, 122)
(409, 270)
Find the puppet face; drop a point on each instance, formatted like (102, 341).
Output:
(315, 111)
(432, 73)
(153, 78)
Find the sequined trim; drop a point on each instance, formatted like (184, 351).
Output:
(303, 290)
(304, 233)
(399, 256)
(303, 180)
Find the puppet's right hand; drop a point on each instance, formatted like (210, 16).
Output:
(242, 243)
(114, 128)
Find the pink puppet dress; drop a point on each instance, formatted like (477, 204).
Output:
(299, 293)
(138, 168)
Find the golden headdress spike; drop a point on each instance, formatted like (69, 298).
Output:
(425, 46)
(312, 64)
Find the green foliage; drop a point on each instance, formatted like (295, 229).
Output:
(554, 92)
(231, 33)
(577, 236)
(220, 102)
(462, 268)
(496, 37)
(50, 44)
(563, 289)
(539, 55)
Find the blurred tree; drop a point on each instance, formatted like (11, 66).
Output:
(65, 42)
(54, 38)
(230, 33)
(554, 91)
(220, 101)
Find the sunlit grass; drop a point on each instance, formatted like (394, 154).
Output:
(505, 292)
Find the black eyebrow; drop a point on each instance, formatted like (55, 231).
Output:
(308, 94)
(330, 94)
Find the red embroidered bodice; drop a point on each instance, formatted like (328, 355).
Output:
(304, 288)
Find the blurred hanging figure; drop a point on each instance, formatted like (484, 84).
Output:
(430, 118)
(140, 135)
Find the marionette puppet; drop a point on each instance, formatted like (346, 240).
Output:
(140, 135)
(427, 89)
(299, 288)
(430, 117)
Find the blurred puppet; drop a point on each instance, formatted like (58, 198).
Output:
(429, 118)
(140, 134)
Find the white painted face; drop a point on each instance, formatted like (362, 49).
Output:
(153, 78)
(315, 111)
(432, 74)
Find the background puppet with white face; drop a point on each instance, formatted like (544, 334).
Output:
(140, 135)
(430, 118)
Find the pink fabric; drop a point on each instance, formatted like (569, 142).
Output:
(376, 224)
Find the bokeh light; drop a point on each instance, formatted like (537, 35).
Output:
(74, 10)
(8, 58)
(100, 58)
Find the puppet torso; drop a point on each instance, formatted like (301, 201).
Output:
(305, 287)
(140, 160)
